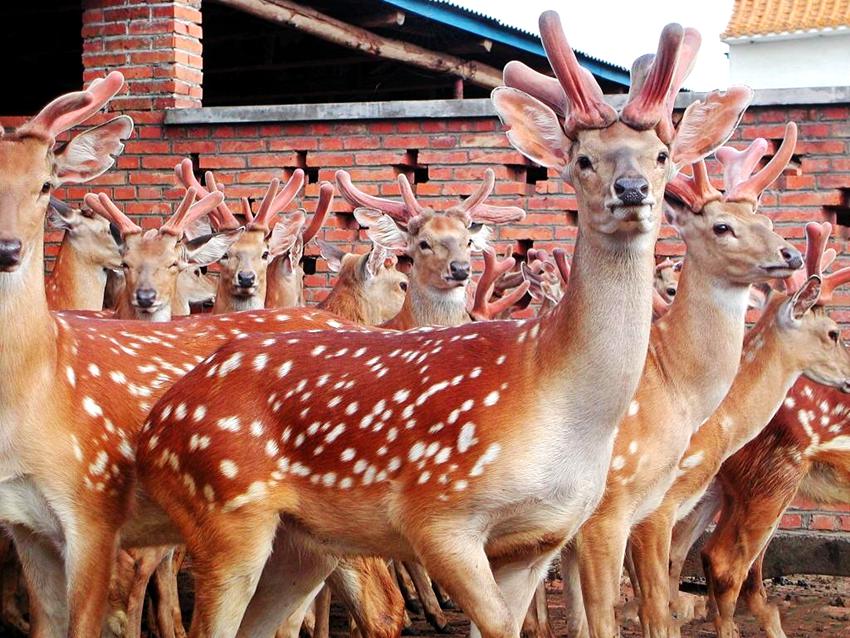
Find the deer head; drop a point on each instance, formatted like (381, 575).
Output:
(153, 259)
(725, 235)
(32, 165)
(666, 280)
(90, 235)
(369, 289)
(263, 267)
(618, 163)
(809, 336)
(440, 244)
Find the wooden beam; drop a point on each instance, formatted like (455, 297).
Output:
(385, 19)
(327, 28)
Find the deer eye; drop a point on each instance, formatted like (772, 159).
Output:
(721, 229)
(833, 335)
(225, 256)
(266, 255)
(662, 157)
(584, 162)
(174, 265)
(125, 265)
(403, 285)
(424, 245)
(45, 188)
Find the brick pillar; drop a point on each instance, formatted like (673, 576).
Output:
(156, 45)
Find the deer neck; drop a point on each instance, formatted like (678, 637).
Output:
(281, 287)
(75, 283)
(593, 346)
(29, 332)
(696, 347)
(431, 307)
(765, 377)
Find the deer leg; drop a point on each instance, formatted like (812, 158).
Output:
(323, 613)
(459, 562)
(370, 594)
(405, 585)
(601, 548)
(45, 577)
(573, 599)
(227, 566)
(444, 599)
(13, 589)
(289, 581)
(433, 613)
(650, 548)
(167, 605)
(518, 580)
(755, 596)
(537, 623)
(302, 622)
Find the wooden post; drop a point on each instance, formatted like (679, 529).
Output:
(459, 88)
(327, 28)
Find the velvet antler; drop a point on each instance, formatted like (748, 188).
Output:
(586, 107)
(741, 187)
(483, 309)
(818, 258)
(106, 208)
(71, 109)
(696, 191)
(474, 208)
(402, 212)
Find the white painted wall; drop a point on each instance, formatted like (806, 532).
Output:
(809, 60)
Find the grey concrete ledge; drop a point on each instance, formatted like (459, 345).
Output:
(439, 109)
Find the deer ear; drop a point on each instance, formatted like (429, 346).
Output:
(705, 126)
(479, 235)
(381, 229)
(374, 261)
(803, 300)
(533, 128)
(331, 254)
(208, 250)
(286, 232)
(92, 152)
(61, 216)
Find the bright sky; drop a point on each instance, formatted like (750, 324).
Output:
(618, 31)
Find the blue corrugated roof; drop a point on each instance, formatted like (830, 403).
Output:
(491, 28)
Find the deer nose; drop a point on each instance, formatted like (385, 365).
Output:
(459, 270)
(245, 278)
(145, 297)
(631, 190)
(10, 252)
(792, 257)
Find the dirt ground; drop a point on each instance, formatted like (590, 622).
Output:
(811, 606)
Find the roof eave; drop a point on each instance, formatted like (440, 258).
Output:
(800, 34)
(530, 43)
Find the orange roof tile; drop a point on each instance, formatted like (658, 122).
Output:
(762, 17)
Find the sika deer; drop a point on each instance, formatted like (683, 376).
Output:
(77, 389)
(263, 269)
(787, 341)
(152, 260)
(694, 353)
(369, 290)
(439, 244)
(667, 278)
(355, 460)
(88, 250)
(804, 447)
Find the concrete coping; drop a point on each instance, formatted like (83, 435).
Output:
(440, 109)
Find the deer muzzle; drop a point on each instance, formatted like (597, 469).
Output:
(10, 254)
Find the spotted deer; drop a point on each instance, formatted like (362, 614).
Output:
(369, 290)
(87, 252)
(802, 451)
(152, 260)
(667, 278)
(694, 353)
(788, 341)
(396, 444)
(440, 245)
(264, 268)
(78, 388)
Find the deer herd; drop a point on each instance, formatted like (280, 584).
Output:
(407, 433)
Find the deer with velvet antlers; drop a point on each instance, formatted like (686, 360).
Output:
(787, 341)
(694, 353)
(263, 269)
(78, 388)
(440, 444)
(440, 245)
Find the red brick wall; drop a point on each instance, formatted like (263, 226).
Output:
(157, 45)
